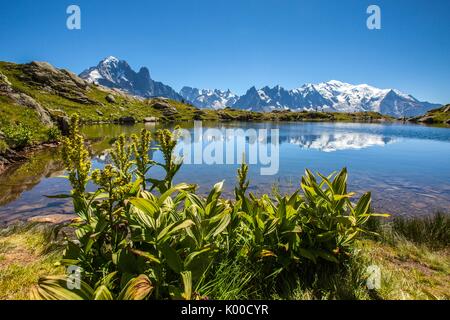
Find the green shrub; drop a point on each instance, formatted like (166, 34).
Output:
(18, 136)
(53, 134)
(138, 237)
(3, 146)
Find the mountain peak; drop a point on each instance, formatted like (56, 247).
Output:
(109, 59)
(114, 73)
(209, 98)
(334, 96)
(337, 82)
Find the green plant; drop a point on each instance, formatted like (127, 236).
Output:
(167, 142)
(53, 134)
(18, 136)
(141, 149)
(3, 146)
(170, 239)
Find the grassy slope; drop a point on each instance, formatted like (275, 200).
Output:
(440, 115)
(131, 107)
(436, 116)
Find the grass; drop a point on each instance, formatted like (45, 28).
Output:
(431, 231)
(413, 255)
(26, 254)
(410, 271)
(13, 114)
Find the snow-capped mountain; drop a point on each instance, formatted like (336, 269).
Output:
(204, 98)
(114, 73)
(334, 96)
(327, 96)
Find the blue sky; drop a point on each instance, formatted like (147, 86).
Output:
(240, 43)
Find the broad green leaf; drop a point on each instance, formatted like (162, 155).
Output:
(56, 288)
(172, 258)
(307, 254)
(363, 204)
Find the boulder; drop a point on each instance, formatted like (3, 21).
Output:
(172, 111)
(127, 120)
(161, 105)
(63, 124)
(99, 113)
(4, 80)
(150, 119)
(110, 98)
(198, 115)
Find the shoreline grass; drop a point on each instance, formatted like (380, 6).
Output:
(27, 252)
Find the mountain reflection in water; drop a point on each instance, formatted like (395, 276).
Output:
(405, 166)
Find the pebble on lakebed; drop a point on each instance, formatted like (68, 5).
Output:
(52, 218)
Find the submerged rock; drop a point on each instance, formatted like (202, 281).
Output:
(52, 218)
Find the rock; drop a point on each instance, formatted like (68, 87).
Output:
(198, 115)
(151, 119)
(448, 122)
(161, 105)
(447, 108)
(63, 124)
(4, 80)
(428, 119)
(23, 99)
(110, 98)
(170, 112)
(77, 80)
(127, 120)
(99, 113)
(61, 82)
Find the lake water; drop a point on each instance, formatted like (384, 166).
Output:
(406, 167)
